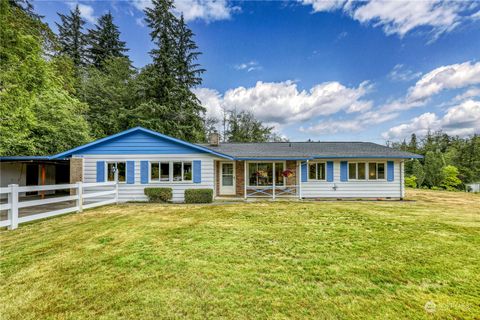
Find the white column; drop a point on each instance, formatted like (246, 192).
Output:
(80, 196)
(245, 179)
(13, 212)
(299, 177)
(116, 192)
(273, 181)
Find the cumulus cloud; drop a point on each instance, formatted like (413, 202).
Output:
(402, 73)
(453, 76)
(206, 10)
(282, 102)
(248, 66)
(401, 17)
(462, 120)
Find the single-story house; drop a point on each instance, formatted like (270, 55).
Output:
(139, 158)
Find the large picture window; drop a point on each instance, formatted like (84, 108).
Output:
(171, 171)
(116, 171)
(316, 171)
(261, 173)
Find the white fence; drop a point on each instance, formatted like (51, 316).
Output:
(274, 191)
(81, 193)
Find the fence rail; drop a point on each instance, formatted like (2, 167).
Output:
(279, 191)
(13, 205)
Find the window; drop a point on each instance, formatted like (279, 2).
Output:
(372, 171)
(376, 170)
(261, 173)
(173, 171)
(381, 170)
(356, 170)
(116, 171)
(316, 171)
(352, 171)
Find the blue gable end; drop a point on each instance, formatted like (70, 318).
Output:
(138, 143)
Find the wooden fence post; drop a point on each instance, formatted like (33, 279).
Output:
(80, 196)
(13, 212)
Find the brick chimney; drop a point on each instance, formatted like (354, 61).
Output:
(214, 139)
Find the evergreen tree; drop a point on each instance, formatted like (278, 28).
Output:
(72, 40)
(104, 41)
(167, 104)
(433, 168)
(243, 127)
(189, 72)
(418, 172)
(110, 93)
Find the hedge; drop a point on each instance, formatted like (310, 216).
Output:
(198, 195)
(158, 194)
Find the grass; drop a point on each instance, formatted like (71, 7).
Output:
(250, 260)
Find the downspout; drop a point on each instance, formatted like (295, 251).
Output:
(401, 180)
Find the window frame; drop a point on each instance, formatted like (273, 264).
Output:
(247, 173)
(367, 170)
(317, 163)
(170, 171)
(115, 174)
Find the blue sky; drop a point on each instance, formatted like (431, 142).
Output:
(325, 70)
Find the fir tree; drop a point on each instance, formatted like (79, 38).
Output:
(189, 71)
(104, 41)
(72, 40)
(168, 105)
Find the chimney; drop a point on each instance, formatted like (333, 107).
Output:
(214, 139)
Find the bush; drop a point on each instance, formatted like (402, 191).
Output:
(411, 182)
(158, 194)
(198, 195)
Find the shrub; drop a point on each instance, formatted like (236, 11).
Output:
(411, 182)
(450, 178)
(158, 194)
(198, 195)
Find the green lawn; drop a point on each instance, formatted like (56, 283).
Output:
(254, 260)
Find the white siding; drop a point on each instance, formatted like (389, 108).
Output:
(356, 189)
(134, 192)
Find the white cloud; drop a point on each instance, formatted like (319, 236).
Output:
(248, 66)
(282, 102)
(471, 92)
(359, 123)
(207, 10)
(453, 76)
(401, 17)
(462, 120)
(86, 11)
(402, 73)
(212, 101)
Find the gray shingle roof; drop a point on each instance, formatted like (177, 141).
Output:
(308, 150)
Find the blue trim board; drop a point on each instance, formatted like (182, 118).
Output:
(140, 148)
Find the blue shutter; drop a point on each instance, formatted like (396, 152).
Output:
(304, 171)
(144, 171)
(343, 171)
(390, 172)
(100, 171)
(130, 172)
(330, 171)
(197, 171)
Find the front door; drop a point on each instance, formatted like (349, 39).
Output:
(227, 178)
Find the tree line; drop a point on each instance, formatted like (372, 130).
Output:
(62, 90)
(449, 162)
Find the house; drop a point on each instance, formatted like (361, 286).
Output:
(139, 158)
